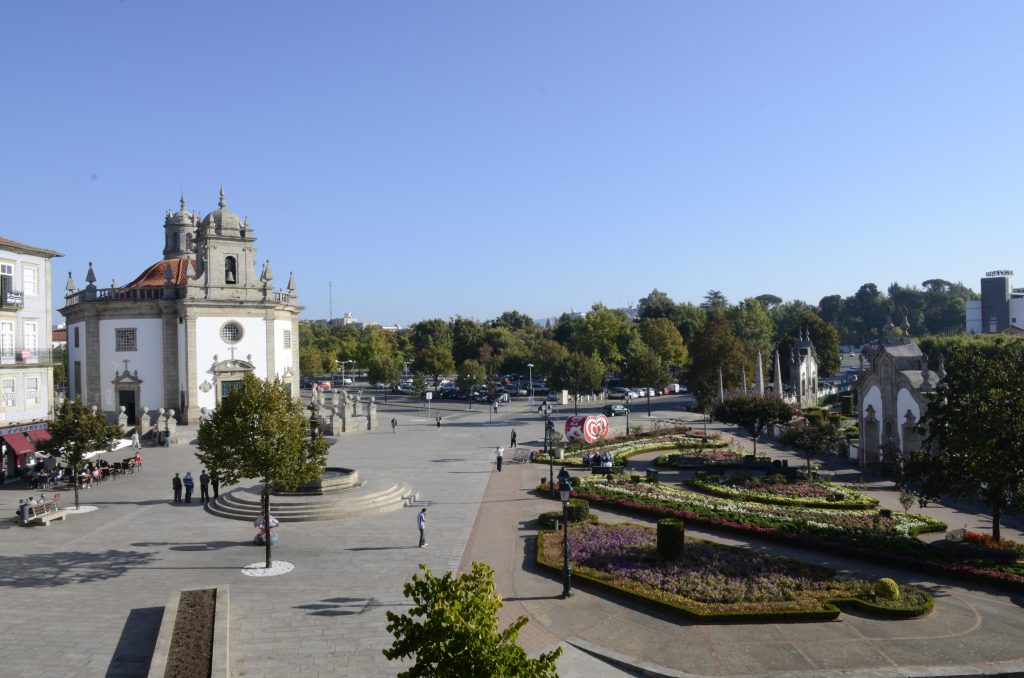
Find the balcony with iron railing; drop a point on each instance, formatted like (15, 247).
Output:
(19, 357)
(10, 299)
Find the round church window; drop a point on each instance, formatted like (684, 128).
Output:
(231, 332)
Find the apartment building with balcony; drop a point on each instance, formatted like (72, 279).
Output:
(26, 351)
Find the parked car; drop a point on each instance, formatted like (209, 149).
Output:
(615, 410)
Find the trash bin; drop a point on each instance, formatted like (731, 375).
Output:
(652, 475)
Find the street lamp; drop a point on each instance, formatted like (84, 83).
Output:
(627, 398)
(545, 409)
(564, 492)
(343, 370)
(530, 367)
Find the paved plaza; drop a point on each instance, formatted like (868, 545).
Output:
(91, 589)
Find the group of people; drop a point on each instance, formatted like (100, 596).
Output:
(188, 483)
(24, 505)
(596, 459)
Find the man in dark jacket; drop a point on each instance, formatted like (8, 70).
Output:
(176, 486)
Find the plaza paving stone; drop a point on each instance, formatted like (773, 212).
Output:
(94, 585)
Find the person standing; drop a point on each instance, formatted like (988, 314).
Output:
(204, 486)
(215, 483)
(513, 443)
(136, 443)
(439, 421)
(495, 406)
(176, 486)
(421, 522)
(499, 452)
(394, 425)
(189, 484)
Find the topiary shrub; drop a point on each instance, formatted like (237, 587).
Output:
(886, 589)
(579, 510)
(671, 537)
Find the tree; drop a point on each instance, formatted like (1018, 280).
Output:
(435, 361)
(451, 630)
(260, 431)
(975, 432)
(716, 345)
(577, 374)
(664, 339)
(753, 413)
(75, 431)
(754, 326)
(823, 336)
(646, 368)
(515, 321)
(471, 374)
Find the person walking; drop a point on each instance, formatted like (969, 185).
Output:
(204, 486)
(215, 483)
(189, 484)
(439, 421)
(394, 425)
(513, 443)
(176, 486)
(136, 443)
(495, 406)
(499, 452)
(421, 522)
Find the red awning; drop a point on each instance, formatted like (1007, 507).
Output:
(19, 443)
(38, 435)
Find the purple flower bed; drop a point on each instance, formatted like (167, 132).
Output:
(717, 582)
(707, 573)
(798, 489)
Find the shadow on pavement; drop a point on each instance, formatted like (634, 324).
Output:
(135, 646)
(341, 607)
(40, 570)
(193, 545)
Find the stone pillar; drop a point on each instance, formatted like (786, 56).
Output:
(122, 418)
(371, 415)
(171, 426)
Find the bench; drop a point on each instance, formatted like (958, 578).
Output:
(45, 512)
(606, 470)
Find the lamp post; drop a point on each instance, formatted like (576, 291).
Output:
(627, 398)
(343, 362)
(564, 491)
(545, 409)
(530, 367)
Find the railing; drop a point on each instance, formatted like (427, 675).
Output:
(114, 294)
(26, 356)
(12, 298)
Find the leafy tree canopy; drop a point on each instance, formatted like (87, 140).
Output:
(975, 431)
(662, 336)
(260, 431)
(753, 413)
(75, 431)
(451, 630)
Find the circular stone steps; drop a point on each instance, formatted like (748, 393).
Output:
(244, 503)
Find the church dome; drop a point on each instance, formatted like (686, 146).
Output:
(182, 217)
(222, 219)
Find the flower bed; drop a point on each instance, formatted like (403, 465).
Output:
(807, 493)
(713, 582)
(990, 542)
(862, 534)
(711, 456)
(621, 449)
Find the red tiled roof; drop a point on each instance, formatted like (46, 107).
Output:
(14, 244)
(60, 335)
(154, 276)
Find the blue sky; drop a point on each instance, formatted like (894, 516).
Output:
(435, 159)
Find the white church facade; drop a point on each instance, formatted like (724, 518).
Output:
(181, 334)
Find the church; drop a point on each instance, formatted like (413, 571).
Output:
(892, 394)
(183, 333)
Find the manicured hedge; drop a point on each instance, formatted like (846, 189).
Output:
(865, 502)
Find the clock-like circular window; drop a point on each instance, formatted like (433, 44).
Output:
(231, 332)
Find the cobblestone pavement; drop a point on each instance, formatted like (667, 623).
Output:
(91, 589)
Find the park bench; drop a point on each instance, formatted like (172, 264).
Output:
(606, 470)
(45, 512)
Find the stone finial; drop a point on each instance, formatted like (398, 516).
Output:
(90, 277)
(113, 283)
(183, 201)
(291, 282)
(942, 368)
(906, 326)
(70, 286)
(222, 203)
(245, 222)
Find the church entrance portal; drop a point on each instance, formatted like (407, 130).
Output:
(126, 399)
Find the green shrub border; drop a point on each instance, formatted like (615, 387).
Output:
(711, 488)
(830, 608)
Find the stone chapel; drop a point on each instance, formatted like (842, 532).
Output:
(803, 371)
(892, 394)
(181, 334)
